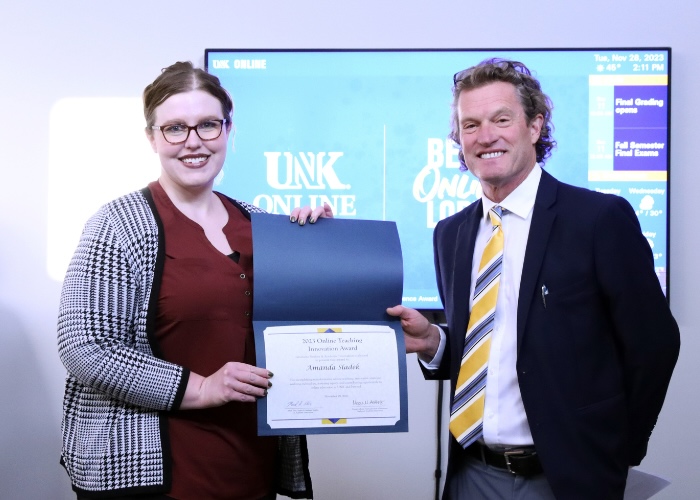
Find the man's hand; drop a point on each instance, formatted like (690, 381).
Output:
(420, 336)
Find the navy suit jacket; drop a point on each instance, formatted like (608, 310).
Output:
(593, 364)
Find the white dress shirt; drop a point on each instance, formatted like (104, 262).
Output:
(505, 422)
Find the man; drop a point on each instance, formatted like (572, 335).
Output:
(574, 364)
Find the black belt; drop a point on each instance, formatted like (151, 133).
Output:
(518, 461)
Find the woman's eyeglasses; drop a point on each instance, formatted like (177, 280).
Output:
(177, 133)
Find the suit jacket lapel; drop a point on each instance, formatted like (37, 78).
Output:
(464, 255)
(542, 220)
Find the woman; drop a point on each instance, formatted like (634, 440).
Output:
(155, 329)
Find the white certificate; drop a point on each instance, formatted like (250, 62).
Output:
(332, 375)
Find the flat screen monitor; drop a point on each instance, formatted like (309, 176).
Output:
(366, 131)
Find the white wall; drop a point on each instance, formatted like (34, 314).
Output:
(55, 50)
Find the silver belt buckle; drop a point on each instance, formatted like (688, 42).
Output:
(511, 453)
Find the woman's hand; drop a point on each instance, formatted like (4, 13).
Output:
(232, 382)
(302, 214)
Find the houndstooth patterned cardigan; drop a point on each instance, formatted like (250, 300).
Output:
(114, 432)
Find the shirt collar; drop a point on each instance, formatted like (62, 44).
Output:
(521, 201)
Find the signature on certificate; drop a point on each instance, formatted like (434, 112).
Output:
(298, 404)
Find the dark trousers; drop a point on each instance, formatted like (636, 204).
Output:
(474, 479)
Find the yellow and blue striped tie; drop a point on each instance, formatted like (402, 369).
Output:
(467, 413)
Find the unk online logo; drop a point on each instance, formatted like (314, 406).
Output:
(305, 170)
(220, 64)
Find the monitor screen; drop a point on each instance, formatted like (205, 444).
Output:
(366, 131)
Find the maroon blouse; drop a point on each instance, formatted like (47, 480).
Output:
(204, 321)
